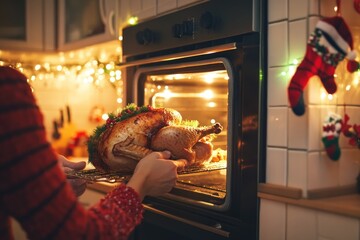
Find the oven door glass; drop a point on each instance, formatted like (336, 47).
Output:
(200, 92)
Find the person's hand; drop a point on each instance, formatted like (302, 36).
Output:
(77, 184)
(155, 174)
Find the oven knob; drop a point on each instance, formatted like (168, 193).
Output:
(188, 28)
(177, 31)
(207, 20)
(145, 37)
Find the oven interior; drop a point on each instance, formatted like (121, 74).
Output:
(200, 92)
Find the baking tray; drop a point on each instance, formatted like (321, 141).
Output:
(95, 175)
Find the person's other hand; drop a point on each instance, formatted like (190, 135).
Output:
(155, 174)
(77, 184)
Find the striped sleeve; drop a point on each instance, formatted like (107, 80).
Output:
(33, 187)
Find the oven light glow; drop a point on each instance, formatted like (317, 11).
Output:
(207, 94)
(209, 78)
(212, 121)
(119, 100)
(211, 104)
(174, 77)
(167, 94)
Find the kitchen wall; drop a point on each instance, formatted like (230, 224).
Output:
(296, 156)
(80, 78)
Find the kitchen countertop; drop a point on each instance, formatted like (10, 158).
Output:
(348, 205)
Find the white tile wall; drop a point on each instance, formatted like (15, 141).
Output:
(349, 166)
(298, 9)
(277, 86)
(276, 170)
(277, 127)
(278, 44)
(288, 35)
(81, 100)
(315, 124)
(314, 7)
(297, 130)
(296, 155)
(297, 170)
(297, 39)
(322, 171)
(278, 10)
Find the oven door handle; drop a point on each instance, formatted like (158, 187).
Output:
(175, 56)
(201, 226)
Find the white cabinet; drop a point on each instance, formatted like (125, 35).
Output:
(86, 22)
(27, 25)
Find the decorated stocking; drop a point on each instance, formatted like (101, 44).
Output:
(330, 137)
(330, 43)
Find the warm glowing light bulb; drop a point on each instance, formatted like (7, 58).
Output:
(132, 20)
(348, 87)
(105, 116)
(101, 71)
(119, 100)
(37, 67)
(323, 95)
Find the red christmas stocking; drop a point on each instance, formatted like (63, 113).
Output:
(330, 43)
(331, 133)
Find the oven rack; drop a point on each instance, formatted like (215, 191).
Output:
(96, 175)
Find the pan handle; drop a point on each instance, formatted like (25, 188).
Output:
(201, 226)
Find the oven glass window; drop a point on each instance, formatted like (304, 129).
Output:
(201, 97)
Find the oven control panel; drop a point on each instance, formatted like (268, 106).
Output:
(204, 22)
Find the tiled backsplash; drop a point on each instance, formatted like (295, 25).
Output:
(296, 155)
(297, 140)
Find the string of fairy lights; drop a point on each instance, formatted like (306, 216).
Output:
(93, 72)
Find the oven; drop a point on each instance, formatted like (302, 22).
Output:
(205, 61)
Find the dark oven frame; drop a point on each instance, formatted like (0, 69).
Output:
(171, 216)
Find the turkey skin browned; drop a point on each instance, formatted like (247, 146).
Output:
(123, 144)
(184, 142)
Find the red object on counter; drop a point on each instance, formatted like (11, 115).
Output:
(34, 189)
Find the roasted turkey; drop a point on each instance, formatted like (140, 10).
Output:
(122, 143)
